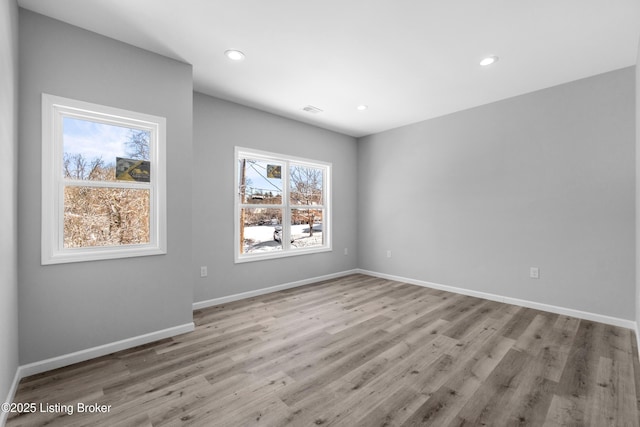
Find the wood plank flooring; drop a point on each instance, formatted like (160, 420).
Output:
(357, 351)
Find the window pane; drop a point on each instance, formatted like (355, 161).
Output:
(103, 152)
(260, 182)
(306, 185)
(260, 230)
(105, 217)
(306, 228)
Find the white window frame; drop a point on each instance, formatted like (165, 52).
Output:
(286, 161)
(54, 109)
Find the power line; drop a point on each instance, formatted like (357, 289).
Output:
(264, 177)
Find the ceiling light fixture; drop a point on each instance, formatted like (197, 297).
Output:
(234, 55)
(489, 60)
(361, 107)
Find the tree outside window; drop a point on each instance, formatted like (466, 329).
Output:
(103, 182)
(282, 205)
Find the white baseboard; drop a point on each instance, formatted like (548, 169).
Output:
(243, 295)
(102, 350)
(9, 399)
(624, 323)
(90, 353)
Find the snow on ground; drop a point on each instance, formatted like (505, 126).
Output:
(260, 238)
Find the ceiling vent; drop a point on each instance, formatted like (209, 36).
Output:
(312, 109)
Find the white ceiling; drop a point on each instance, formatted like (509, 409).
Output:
(408, 60)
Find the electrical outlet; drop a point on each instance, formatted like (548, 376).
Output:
(388, 254)
(203, 271)
(534, 273)
(346, 251)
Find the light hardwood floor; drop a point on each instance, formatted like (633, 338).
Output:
(358, 351)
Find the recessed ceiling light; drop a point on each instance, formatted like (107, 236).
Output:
(361, 107)
(234, 55)
(488, 60)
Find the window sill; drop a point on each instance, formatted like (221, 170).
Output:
(102, 253)
(280, 254)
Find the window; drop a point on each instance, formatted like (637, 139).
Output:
(103, 182)
(282, 205)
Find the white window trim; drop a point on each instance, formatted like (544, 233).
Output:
(54, 108)
(286, 218)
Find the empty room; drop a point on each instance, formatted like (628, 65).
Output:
(285, 213)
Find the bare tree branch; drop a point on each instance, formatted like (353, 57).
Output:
(138, 144)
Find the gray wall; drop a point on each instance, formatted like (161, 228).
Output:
(219, 126)
(638, 187)
(8, 195)
(473, 199)
(70, 307)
